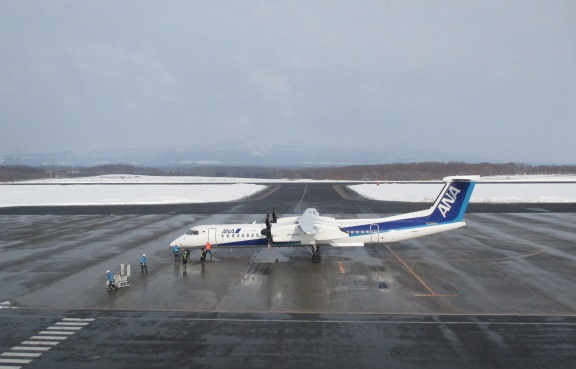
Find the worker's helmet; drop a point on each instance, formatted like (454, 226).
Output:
(144, 255)
(107, 271)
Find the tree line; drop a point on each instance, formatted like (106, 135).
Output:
(382, 172)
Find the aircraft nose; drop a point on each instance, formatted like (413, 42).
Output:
(176, 242)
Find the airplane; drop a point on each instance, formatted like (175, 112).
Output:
(312, 230)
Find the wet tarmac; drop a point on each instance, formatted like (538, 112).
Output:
(498, 293)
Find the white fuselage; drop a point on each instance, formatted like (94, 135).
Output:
(311, 228)
(348, 232)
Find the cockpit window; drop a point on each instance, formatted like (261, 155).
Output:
(192, 232)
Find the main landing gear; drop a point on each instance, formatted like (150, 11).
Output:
(315, 254)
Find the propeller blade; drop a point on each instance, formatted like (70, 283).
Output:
(268, 231)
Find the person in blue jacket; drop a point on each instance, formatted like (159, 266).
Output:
(144, 264)
(176, 251)
(111, 280)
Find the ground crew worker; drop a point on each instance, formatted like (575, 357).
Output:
(202, 256)
(111, 281)
(176, 251)
(209, 249)
(185, 254)
(144, 264)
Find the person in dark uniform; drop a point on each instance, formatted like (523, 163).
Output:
(185, 256)
(202, 256)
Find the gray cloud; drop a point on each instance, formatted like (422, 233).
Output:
(490, 80)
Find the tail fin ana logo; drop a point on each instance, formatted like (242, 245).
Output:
(448, 200)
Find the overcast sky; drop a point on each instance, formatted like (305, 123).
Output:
(494, 80)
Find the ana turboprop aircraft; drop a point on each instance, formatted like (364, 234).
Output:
(311, 230)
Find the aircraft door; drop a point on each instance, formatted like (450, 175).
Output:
(212, 236)
(374, 232)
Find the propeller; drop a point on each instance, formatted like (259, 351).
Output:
(268, 230)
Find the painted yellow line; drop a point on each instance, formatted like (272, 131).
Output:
(431, 292)
(341, 266)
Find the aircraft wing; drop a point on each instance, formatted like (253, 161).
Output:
(307, 221)
(311, 223)
(308, 228)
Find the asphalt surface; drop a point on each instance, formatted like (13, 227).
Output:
(498, 293)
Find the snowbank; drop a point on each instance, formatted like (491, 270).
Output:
(138, 190)
(523, 189)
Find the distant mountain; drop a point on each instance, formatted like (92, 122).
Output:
(286, 156)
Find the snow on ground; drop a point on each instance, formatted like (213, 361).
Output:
(117, 194)
(501, 189)
(133, 190)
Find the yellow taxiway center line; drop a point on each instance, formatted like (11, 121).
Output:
(431, 292)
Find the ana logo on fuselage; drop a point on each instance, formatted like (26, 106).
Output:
(231, 230)
(449, 198)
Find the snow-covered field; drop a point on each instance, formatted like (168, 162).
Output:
(129, 189)
(484, 192)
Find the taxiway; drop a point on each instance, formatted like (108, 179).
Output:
(498, 293)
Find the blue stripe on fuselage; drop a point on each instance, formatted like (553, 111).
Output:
(451, 209)
(254, 242)
(384, 227)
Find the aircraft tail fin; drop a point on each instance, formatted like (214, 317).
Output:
(453, 200)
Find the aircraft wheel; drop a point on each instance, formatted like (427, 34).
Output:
(316, 258)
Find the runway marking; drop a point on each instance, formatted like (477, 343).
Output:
(303, 194)
(431, 292)
(45, 343)
(15, 361)
(58, 332)
(42, 342)
(21, 354)
(341, 266)
(48, 337)
(30, 348)
(57, 327)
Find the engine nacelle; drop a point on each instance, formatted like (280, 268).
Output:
(286, 232)
(293, 233)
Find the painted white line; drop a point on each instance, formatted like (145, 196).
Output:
(65, 328)
(21, 354)
(30, 348)
(79, 319)
(48, 337)
(15, 361)
(66, 333)
(44, 343)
